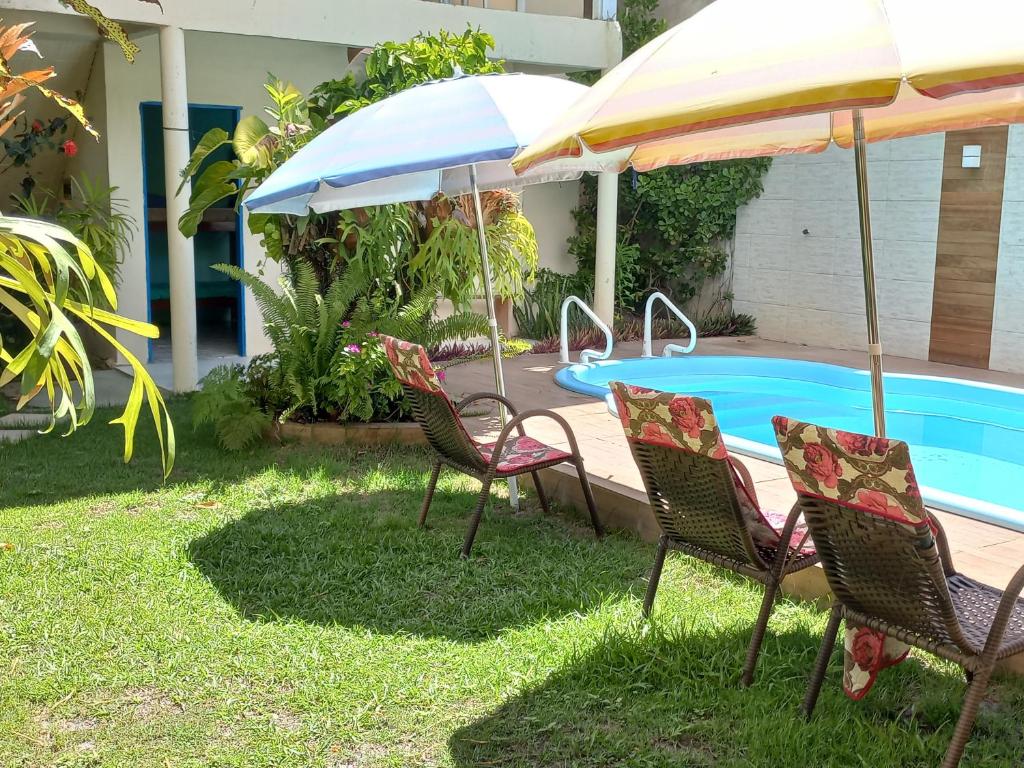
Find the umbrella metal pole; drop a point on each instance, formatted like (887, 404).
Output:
(492, 320)
(867, 255)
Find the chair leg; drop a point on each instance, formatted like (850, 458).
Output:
(542, 497)
(588, 495)
(652, 584)
(771, 589)
(474, 522)
(821, 665)
(968, 714)
(430, 493)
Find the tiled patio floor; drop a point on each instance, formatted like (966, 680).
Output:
(985, 552)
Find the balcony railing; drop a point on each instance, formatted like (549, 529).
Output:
(580, 9)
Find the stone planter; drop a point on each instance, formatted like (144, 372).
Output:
(330, 433)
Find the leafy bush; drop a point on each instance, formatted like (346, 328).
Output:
(227, 403)
(329, 361)
(538, 314)
(673, 222)
(95, 216)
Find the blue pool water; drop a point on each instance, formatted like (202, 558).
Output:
(966, 438)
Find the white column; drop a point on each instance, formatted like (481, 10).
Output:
(180, 253)
(607, 234)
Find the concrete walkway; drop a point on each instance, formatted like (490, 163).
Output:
(985, 552)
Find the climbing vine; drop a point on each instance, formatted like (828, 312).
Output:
(672, 222)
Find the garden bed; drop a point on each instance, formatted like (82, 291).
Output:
(332, 433)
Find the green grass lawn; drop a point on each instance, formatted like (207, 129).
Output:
(282, 609)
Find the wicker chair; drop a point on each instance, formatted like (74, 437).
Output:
(506, 457)
(705, 501)
(888, 562)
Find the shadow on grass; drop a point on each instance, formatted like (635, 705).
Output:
(664, 695)
(360, 560)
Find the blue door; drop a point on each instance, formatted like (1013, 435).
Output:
(220, 309)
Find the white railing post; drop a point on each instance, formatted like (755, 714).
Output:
(648, 322)
(563, 343)
(607, 234)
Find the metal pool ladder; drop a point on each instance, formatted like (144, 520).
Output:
(648, 311)
(587, 354)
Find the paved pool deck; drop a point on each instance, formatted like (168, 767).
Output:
(988, 553)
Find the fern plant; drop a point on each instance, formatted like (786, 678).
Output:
(226, 404)
(329, 360)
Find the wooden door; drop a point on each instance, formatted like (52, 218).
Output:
(968, 245)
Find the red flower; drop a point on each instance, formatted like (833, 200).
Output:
(822, 465)
(862, 445)
(781, 425)
(686, 416)
(37, 127)
(868, 648)
(911, 480)
(878, 502)
(69, 148)
(652, 432)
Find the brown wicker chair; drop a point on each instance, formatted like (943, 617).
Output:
(888, 562)
(705, 501)
(506, 457)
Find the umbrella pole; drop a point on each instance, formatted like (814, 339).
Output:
(492, 320)
(867, 255)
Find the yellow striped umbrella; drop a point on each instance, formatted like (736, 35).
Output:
(749, 78)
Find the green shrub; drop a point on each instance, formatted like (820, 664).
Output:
(226, 402)
(538, 314)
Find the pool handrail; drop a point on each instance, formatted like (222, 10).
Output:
(586, 354)
(669, 348)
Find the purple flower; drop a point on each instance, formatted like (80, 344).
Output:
(373, 334)
(345, 324)
(354, 349)
(441, 375)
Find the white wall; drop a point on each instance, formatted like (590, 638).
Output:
(1008, 319)
(222, 69)
(797, 253)
(549, 209)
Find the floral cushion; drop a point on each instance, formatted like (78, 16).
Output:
(866, 652)
(870, 474)
(689, 424)
(766, 524)
(411, 365)
(670, 420)
(522, 452)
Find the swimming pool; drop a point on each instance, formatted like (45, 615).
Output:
(966, 438)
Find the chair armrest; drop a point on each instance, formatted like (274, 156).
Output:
(486, 396)
(785, 552)
(943, 543)
(746, 477)
(1003, 613)
(517, 423)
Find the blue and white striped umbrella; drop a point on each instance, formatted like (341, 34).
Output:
(419, 142)
(453, 136)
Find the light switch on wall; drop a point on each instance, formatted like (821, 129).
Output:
(972, 156)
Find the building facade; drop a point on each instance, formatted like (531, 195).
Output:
(204, 65)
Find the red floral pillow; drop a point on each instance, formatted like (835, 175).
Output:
(873, 474)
